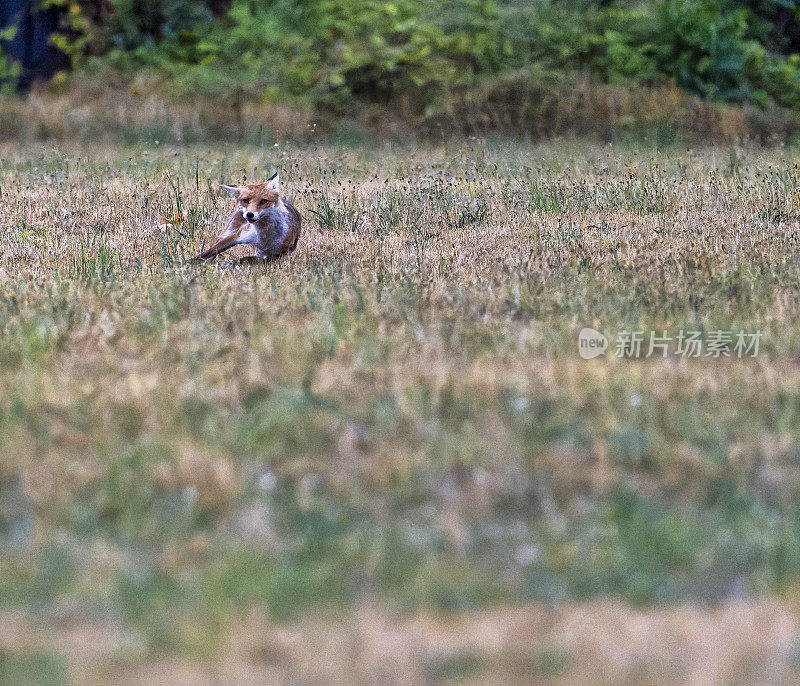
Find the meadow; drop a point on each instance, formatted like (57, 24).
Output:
(383, 458)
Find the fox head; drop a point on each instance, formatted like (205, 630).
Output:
(256, 198)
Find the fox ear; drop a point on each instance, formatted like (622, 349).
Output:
(274, 182)
(232, 190)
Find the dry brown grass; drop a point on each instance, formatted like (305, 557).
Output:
(230, 471)
(598, 643)
(94, 110)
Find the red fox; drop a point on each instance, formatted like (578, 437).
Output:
(262, 218)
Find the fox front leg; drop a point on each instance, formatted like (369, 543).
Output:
(227, 239)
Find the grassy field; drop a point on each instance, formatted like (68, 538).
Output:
(383, 457)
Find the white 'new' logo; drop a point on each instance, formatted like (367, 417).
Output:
(591, 343)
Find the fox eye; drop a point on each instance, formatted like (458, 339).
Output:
(245, 201)
(262, 202)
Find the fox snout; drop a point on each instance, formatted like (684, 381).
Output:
(252, 216)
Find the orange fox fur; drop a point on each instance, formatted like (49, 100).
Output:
(262, 218)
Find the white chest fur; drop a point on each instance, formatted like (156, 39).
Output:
(249, 234)
(269, 230)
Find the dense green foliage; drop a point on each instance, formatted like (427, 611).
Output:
(420, 56)
(328, 52)
(8, 70)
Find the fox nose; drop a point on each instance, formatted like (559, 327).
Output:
(250, 216)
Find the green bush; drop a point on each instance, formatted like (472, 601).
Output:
(332, 55)
(9, 71)
(705, 48)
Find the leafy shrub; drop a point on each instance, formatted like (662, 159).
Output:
(705, 48)
(331, 55)
(9, 71)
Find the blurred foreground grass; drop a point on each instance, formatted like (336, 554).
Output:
(205, 470)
